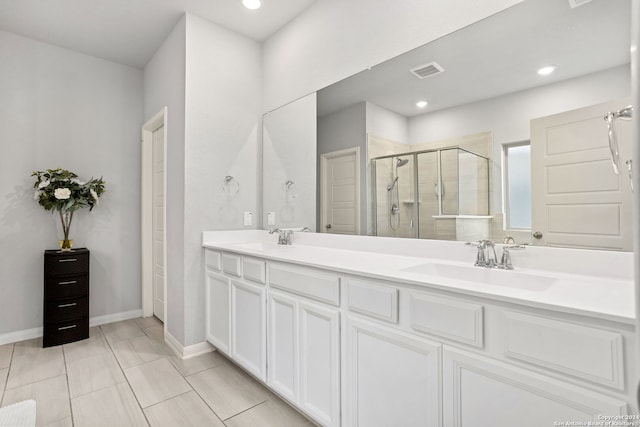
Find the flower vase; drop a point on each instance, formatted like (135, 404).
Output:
(65, 220)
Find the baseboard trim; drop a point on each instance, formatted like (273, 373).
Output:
(188, 351)
(115, 317)
(27, 334)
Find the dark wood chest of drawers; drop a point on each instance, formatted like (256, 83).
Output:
(66, 296)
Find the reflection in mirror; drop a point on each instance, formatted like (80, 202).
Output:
(452, 185)
(288, 153)
(483, 93)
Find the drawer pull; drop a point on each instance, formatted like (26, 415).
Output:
(70, 282)
(68, 260)
(67, 305)
(66, 327)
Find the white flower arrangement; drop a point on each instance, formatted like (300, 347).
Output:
(60, 190)
(62, 193)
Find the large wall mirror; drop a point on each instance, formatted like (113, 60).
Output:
(288, 163)
(501, 147)
(470, 137)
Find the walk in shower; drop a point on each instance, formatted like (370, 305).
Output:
(451, 184)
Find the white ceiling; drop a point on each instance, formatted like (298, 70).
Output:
(130, 31)
(494, 57)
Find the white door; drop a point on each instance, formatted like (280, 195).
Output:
(248, 327)
(218, 303)
(340, 187)
(393, 378)
(320, 362)
(577, 199)
(158, 192)
(481, 392)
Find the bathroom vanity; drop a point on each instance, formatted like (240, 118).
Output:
(356, 331)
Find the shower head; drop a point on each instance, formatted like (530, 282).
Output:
(401, 162)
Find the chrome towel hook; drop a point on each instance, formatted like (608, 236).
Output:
(626, 114)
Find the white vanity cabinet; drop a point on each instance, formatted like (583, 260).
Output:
(248, 327)
(236, 312)
(355, 351)
(481, 392)
(304, 340)
(218, 302)
(393, 378)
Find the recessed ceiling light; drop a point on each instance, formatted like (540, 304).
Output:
(545, 71)
(421, 104)
(252, 4)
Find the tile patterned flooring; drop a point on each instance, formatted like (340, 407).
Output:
(124, 375)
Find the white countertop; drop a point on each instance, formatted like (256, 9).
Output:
(593, 283)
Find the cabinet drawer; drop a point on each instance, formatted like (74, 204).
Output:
(212, 260)
(67, 263)
(231, 264)
(374, 300)
(254, 269)
(66, 309)
(446, 317)
(582, 351)
(310, 283)
(66, 287)
(65, 332)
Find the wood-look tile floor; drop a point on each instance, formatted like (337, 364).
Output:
(124, 375)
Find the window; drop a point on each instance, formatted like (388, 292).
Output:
(516, 176)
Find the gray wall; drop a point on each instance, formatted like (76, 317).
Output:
(60, 108)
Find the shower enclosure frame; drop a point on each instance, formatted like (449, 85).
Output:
(415, 225)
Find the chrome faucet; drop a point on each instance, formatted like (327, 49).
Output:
(486, 255)
(284, 236)
(505, 260)
(492, 258)
(481, 260)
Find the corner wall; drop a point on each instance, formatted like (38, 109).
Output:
(164, 85)
(210, 79)
(222, 134)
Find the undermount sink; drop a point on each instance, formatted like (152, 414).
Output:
(492, 276)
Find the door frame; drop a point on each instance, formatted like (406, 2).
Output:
(146, 203)
(323, 185)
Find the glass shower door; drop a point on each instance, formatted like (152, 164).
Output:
(429, 194)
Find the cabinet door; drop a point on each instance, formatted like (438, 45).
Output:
(393, 378)
(320, 362)
(283, 341)
(248, 327)
(480, 392)
(217, 311)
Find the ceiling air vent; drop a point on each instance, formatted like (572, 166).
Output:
(427, 70)
(577, 3)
